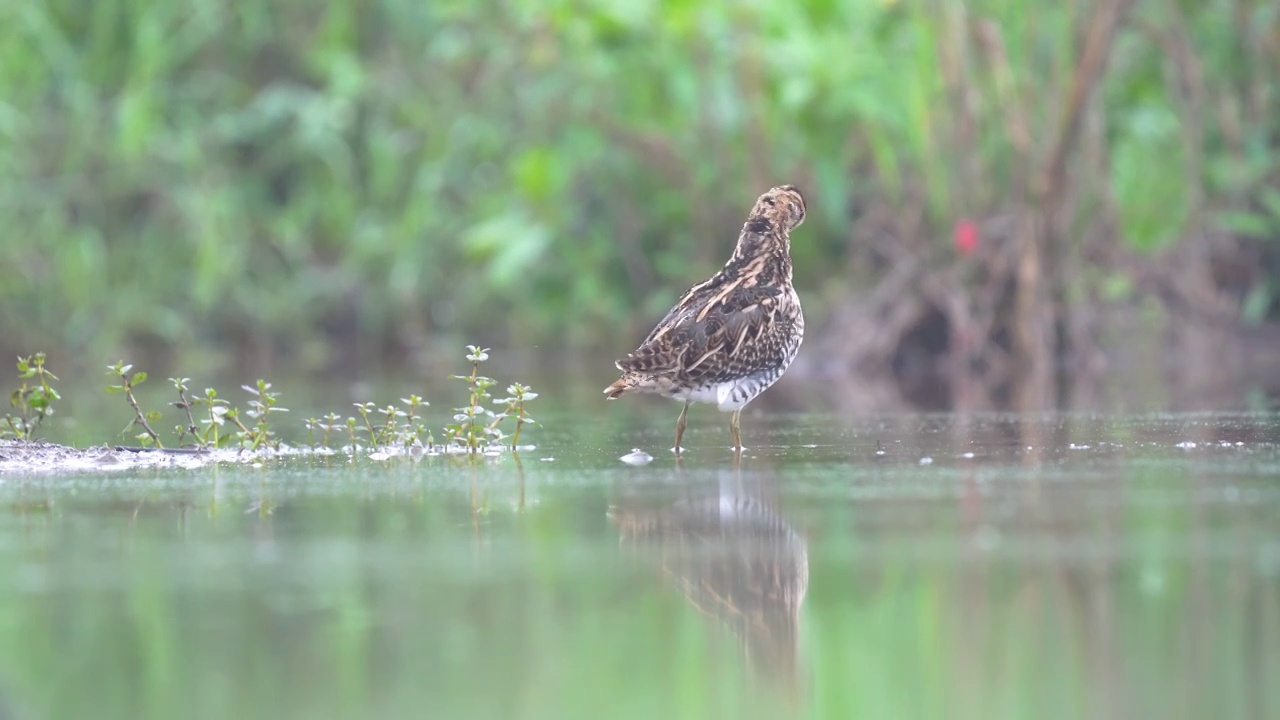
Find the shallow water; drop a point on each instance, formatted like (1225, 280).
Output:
(987, 566)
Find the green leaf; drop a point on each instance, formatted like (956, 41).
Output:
(138, 378)
(1245, 223)
(538, 173)
(1257, 302)
(508, 245)
(1270, 198)
(154, 416)
(1149, 178)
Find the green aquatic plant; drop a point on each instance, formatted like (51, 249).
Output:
(364, 409)
(469, 428)
(326, 425)
(33, 402)
(215, 411)
(264, 403)
(352, 429)
(311, 424)
(329, 423)
(386, 433)
(519, 395)
(185, 404)
(120, 371)
(475, 427)
(209, 421)
(414, 422)
(391, 431)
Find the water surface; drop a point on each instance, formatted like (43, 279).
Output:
(981, 566)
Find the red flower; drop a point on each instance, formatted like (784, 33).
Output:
(965, 236)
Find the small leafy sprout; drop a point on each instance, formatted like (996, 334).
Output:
(140, 419)
(468, 428)
(216, 410)
(352, 429)
(364, 409)
(475, 428)
(185, 404)
(412, 417)
(519, 395)
(332, 422)
(33, 402)
(311, 425)
(264, 403)
(391, 424)
(244, 434)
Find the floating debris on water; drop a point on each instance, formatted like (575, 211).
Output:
(547, 459)
(637, 457)
(1187, 445)
(967, 456)
(926, 460)
(1073, 446)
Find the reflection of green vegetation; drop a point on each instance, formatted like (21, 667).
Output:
(543, 169)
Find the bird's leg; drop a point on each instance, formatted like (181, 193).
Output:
(680, 423)
(735, 426)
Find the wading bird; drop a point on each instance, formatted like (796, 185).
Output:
(731, 337)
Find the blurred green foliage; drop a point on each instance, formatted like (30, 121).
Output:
(203, 173)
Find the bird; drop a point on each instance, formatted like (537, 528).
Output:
(733, 335)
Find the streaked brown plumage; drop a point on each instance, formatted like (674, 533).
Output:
(729, 338)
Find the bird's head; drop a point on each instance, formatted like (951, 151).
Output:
(781, 208)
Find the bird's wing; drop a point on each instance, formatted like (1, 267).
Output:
(704, 335)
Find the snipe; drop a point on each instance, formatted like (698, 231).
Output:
(731, 337)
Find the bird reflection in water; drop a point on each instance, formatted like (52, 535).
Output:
(733, 557)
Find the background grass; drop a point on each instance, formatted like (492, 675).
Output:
(290, 181)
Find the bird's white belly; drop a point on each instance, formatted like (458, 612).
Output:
(731, 395)
(704, 394)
